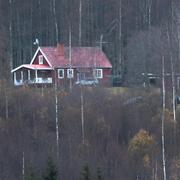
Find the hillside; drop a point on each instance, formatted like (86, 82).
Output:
(126, 132)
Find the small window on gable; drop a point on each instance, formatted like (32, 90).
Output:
(40, 59)
(70, 73)
(98, 73)
(60, 73)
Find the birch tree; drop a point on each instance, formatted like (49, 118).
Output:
(82, 115)
(163, 119)
(120, 36)
(10, 34)
(57, 118)
(70, 57)
(80, 22)
(23, 166)
(55, 22)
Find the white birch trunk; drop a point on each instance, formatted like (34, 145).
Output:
(11, 35)
(173, 74)
(23, 167)
(101, 41)
(172, 79)
(80, 22)
(82, 115)
(55, 21)
(120, 36)
(57, 118)
(149, 13)
(174, 90)
(163, 120)
(6, 102)
(70, 57)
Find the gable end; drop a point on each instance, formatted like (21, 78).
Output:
(36, 58)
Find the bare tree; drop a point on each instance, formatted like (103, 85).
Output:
(55, 22)
(163, 119)
(11, 35)
(120, 36)
(82, 115)
(149, 12)
(70, 57)
(80, 22)
(57, 118)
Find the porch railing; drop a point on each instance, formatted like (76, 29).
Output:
(33, 81)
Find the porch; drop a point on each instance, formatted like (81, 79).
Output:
(27, 76)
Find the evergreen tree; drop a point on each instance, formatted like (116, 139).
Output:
(99, 174)
(31, 175)
(85, 173)
(51, 171)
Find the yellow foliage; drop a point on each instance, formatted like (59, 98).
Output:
(146, 161)
(168, 115)
(141, 148)
(141, 143)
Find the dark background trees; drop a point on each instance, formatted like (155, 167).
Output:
(118, 22)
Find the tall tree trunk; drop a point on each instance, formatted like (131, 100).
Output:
(57, 117)
(80, 22)
(70, 57)
(23, 166)
(120, 38)
(11, 35)
(55, 22)
(6, 102)
(163, 120)
(149, 13)
(82, 115)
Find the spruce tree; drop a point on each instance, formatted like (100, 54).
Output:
(85, 173)
(51, 171)
(99, 174)
(31, 175)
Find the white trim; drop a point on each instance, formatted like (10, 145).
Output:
(35, 55)
(25, 66)
(41, 59)
(36, 75)
(29, 75)
(96, 73)
(14, 76)
(39, 49)
(70, 75)
(61, 77)
(19, 67)
(22, 75)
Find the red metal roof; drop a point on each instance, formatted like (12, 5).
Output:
(33, 66)
(81, 57)
(36, 66)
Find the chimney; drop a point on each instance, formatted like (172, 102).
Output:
(60, 49)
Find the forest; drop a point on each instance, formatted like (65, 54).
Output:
(92, 133)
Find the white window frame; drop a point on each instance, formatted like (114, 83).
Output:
(70, 75)
(96, 73)
(41, 61)
(61, 77)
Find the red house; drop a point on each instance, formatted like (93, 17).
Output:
(80, 65)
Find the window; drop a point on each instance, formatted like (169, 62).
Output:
(98, 73)
(152, 81)
(70, 73)
(60, 73)
(40, 59)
